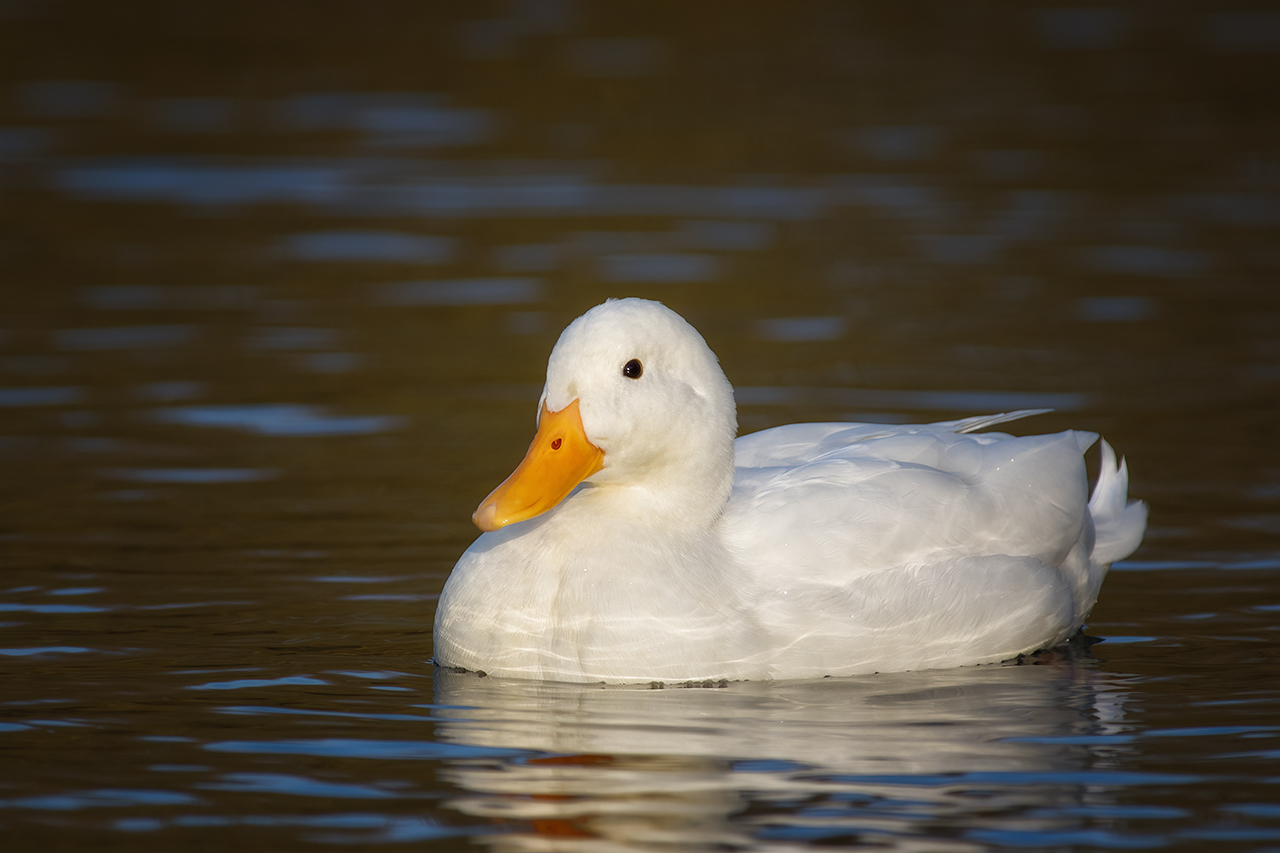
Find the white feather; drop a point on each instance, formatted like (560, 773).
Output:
(800, 551)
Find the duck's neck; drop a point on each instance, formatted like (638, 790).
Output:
(690, 496)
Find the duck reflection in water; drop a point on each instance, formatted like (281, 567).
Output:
(891, 755)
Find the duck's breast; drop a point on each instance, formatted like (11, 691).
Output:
(564, 597)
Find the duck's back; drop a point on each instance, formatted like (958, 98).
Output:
(911, 547)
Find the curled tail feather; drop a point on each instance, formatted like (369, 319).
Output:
(1118, 522)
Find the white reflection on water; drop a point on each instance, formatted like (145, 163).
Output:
(890, 755)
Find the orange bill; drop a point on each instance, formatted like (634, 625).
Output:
(559, 458)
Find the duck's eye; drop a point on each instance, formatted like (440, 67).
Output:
(633, 369)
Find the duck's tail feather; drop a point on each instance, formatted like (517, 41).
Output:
(1118, 522)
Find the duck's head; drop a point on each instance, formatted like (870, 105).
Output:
(636, 399)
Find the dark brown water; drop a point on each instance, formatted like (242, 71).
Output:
(278, 284)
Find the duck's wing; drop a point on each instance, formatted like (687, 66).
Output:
(796, 444)
(912, 547)
(870, 548)
(833, 502)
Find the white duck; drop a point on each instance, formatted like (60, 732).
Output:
(637, 541)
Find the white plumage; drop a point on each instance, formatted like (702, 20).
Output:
(800, 551)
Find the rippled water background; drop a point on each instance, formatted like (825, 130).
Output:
(278, 284)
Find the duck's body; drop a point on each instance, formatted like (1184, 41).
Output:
(801, 551)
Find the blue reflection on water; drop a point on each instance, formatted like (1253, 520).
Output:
(168, 392)
(44, 650)
(293, 338)
(269, 710)
(528, 257)
(727, 235)
(802, 328)
(102, 798)
(1067, 839)
(1115, 309)
(141, 179)
(50, 608)
(46, 396)
(961, 248)
(123, 337)
(368, 246)
(901, 196)
(900, 142)
(193, 475)
(331, 362)
(660, 268)
(387, 828)
(1147, 260)
(410, 750)
(465, 291)
(391, 119)
(242, 683)
(287, 419)
(298, 786)
(361, 184)
(24, 143)
(137, 297)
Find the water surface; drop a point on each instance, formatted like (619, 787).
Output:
(277, 287)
